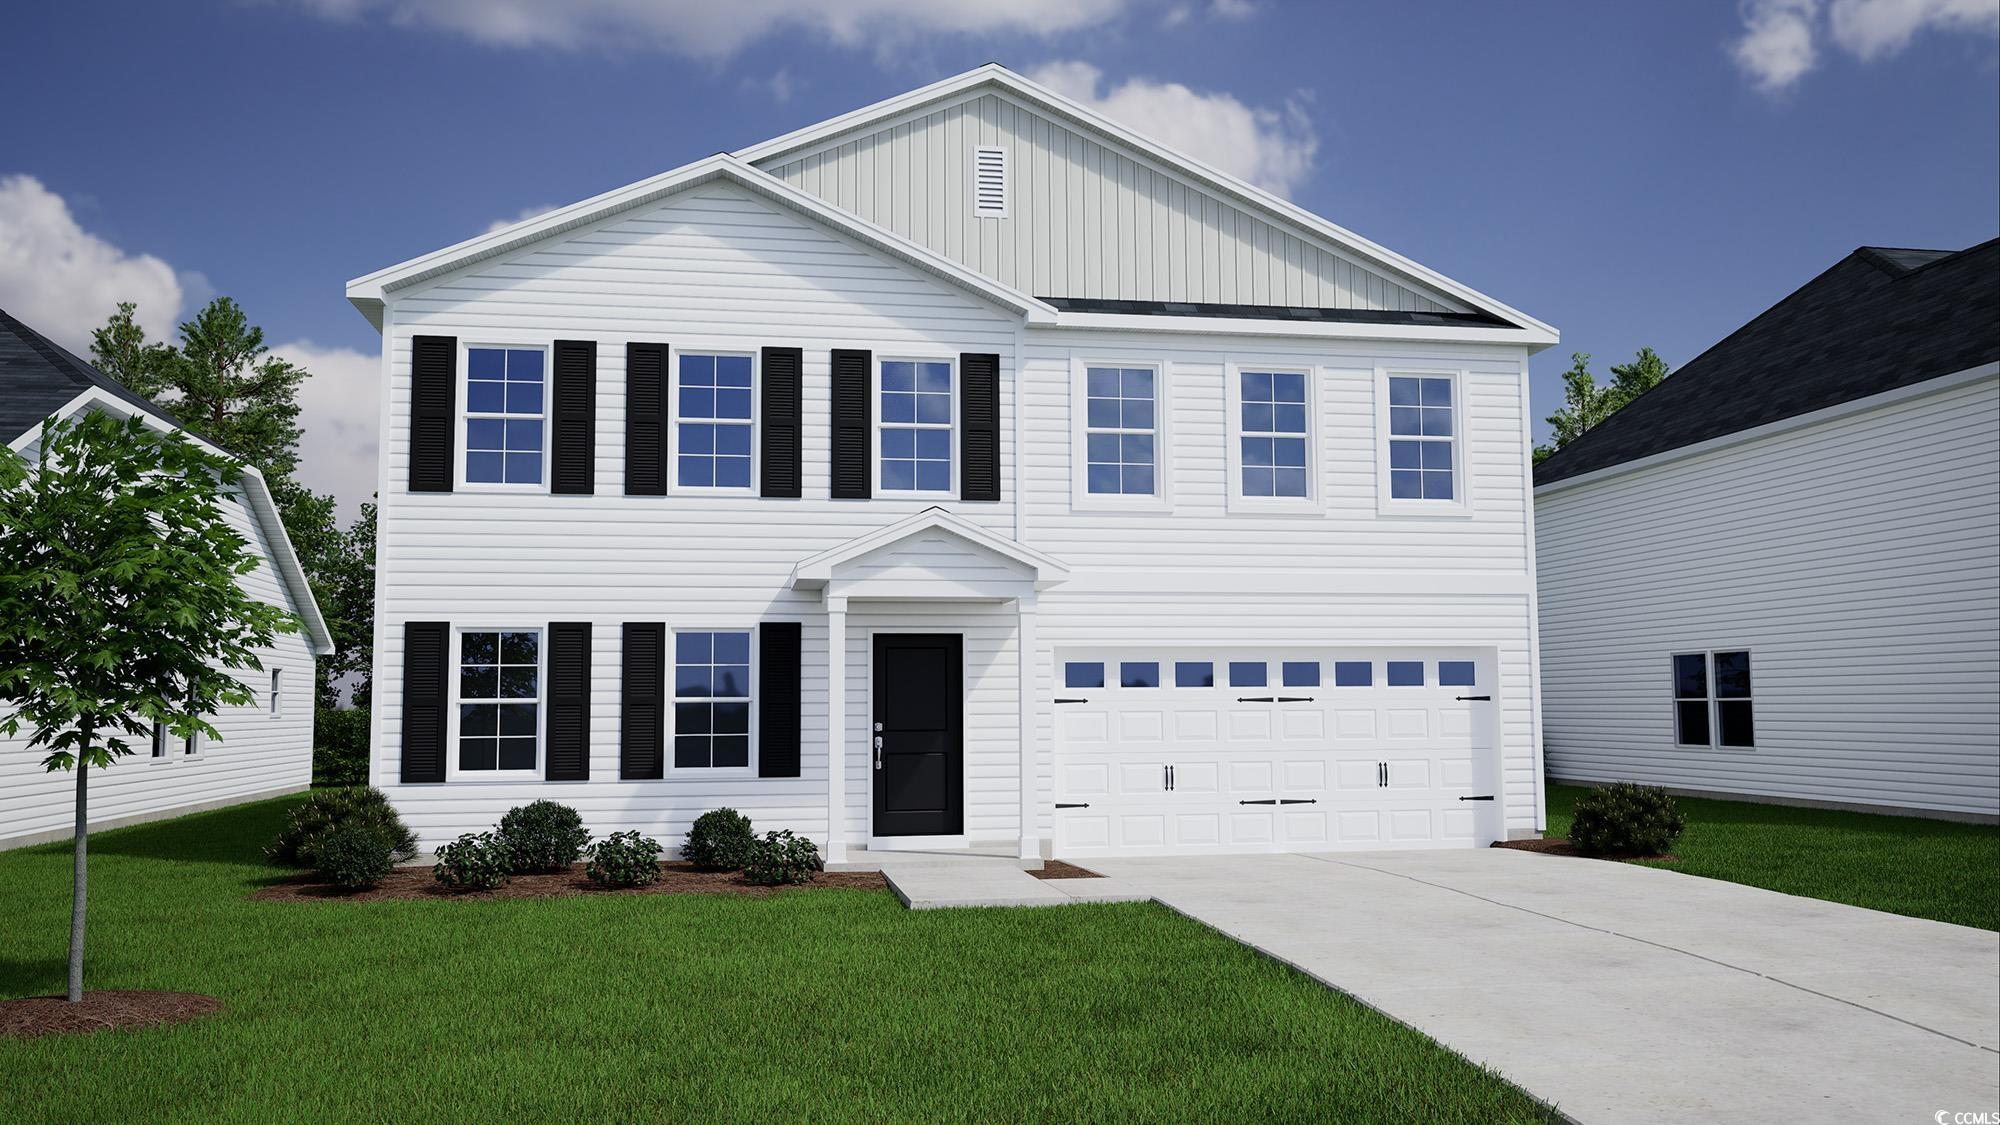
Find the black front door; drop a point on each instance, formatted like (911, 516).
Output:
(919, 735)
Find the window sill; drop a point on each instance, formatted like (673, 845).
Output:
(1424, 509)
(515, 489)
(1119, 502)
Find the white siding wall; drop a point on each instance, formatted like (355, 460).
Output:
(1086, 217)
(1859, 561)
(259, 754)
(718, 268)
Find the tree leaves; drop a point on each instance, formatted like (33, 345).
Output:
(1585, 404)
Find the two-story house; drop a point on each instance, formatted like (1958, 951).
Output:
(964, 470)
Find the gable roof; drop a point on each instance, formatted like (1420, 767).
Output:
(40, 379)
(996, 78)
(814, 571)
(1877, 320)
(368, 292)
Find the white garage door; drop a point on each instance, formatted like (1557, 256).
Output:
(1272, 750)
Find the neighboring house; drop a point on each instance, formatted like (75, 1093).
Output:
(1777, 574)
(1145, 511)
(266, 747)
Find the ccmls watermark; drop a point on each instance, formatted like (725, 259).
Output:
(1981, 1117)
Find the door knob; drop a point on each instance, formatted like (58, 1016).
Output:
(878, 751)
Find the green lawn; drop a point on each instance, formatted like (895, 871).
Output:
(1905, 865)
(822, 1004)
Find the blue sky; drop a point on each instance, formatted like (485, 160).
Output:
(1633, 173)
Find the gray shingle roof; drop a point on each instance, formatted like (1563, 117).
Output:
(1879, 319)
(38, 376)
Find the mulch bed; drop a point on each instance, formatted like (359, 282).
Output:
(101, 1011)
(1057, 869)
(675, 879)
(1557, 845)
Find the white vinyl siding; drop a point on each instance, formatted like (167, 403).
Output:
(259, 754)
(1084, 217)
(1854, 557)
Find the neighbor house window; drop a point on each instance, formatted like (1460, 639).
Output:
(916, 426)
(160, 739)
(1272, 429)
(712, 420)
(504, 411)
(499, 700)
(711, 700)
(1712, 699)
(1421, 429)
(1120, 430)
(277, 692)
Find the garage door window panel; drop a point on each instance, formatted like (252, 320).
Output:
(1083, 674)
(1194, 674)
(1248, 673)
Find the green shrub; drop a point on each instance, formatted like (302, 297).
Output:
(1625, 820)
(475, 861)
(721, 840)
(544, 837)
(624, 859)
(355, 855)
(780, 858)
(307, 826)
(340, 747)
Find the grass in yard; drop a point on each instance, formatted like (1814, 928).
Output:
(824, 1004)
(1904, 865)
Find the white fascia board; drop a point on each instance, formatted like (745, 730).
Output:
(255, 491)
(1243, 192)
(815, 571)
(369, 292)
(1839, 410)
(1533, 339)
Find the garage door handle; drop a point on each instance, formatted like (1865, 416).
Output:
(1268, 801)
(1487, 797)
(1060, 805)
(1476, 698)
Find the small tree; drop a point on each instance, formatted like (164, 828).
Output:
(119, 602)
(1585, 404)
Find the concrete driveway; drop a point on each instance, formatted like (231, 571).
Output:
(1624, 993)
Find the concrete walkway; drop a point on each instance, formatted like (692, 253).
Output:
(1625, 993)
(936, 880)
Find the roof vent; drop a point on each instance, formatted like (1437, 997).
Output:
(989, 182)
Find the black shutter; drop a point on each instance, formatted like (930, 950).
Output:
(573, 419)
(569, 701)
(642, 707)
(433, 412)
(426, 664)
(782, 408)
(979, 417)
(646, 420)
(850, 424)
(778, 699)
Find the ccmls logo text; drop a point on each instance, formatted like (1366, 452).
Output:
(1947, 1117)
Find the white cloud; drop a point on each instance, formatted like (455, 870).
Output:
(1777, 44)
(340, 416)
(705, 28)
(525, 214)
(1781, 38)
(63, 281)
(1272, 148)
(1873, 28)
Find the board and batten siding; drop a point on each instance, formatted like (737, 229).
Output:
(1857, 558)
(1086, 216)
(714, 268)
(259, 755)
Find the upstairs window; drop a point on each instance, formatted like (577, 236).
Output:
(713, 419)
(499, 700)
(1120, 431)
(1421, 432)
(711, 700)
(915, 414)
(1273, 432)
(505, 407)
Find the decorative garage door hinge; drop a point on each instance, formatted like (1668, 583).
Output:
(1487, 797)
(1476, 698)
(1061, 805)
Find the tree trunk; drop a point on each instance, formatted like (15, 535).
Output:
(80, 881)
